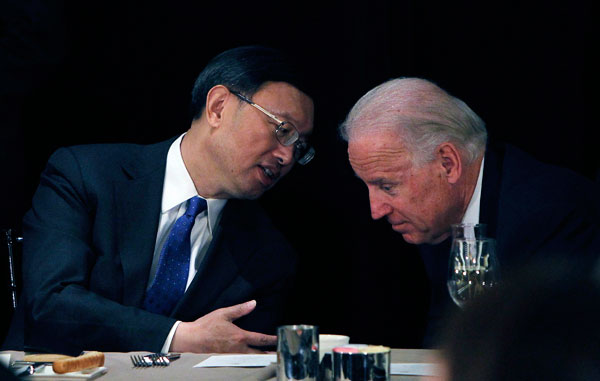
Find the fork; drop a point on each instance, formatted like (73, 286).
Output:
(158, 359)
(140, 361)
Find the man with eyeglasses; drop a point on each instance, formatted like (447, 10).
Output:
(161, 248)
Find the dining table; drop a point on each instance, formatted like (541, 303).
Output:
(120, 368)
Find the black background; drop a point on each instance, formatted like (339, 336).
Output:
(77, 72)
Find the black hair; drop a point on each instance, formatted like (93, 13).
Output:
(245, 70)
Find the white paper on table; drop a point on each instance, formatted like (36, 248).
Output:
(246, 361)
(415, 369)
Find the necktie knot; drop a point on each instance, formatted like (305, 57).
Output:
(196, 205)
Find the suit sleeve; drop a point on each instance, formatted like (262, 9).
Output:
(62, 314)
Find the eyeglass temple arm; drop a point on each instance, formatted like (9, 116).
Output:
(247, 100)
(266, 112)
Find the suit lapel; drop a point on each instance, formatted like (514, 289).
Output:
(138, 201)
(222, 264)
(526, 197)
(506, 199)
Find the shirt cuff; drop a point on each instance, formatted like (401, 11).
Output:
(167, 345)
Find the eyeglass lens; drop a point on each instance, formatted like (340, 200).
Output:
(287, 134)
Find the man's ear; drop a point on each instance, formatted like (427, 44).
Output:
(451, 161)
(215, 104)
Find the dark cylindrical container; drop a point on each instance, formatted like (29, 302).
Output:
(370, 363)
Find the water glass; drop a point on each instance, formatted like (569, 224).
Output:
(297, 352)
(473, 269)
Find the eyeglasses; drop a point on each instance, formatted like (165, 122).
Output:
(286, 133)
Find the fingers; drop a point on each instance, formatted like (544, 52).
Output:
(239, 310)
(260, 340)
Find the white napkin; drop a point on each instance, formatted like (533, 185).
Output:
(415, 369)
(246, 361)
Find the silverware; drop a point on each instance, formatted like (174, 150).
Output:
(157, 359)
(171, 355)
(25, 369)
(140, 361)
(153, 359)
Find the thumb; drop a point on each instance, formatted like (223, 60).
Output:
(239, 310)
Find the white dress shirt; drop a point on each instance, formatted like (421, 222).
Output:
(177, 189)
(472, 214)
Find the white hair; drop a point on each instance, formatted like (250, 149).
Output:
(421, 113)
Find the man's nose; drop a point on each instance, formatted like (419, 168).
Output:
(379, 208)
(284, 154)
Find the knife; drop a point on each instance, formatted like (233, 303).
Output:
(26, 369)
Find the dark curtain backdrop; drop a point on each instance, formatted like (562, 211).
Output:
(76, 72)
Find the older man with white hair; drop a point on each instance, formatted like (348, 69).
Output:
(425, 159)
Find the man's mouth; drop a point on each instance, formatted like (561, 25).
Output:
(269, 175)
(399, 226)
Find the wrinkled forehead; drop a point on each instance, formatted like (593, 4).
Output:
(384, 150)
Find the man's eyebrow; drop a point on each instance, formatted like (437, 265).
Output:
(377, 181)
(284, 116)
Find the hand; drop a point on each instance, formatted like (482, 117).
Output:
(215, 333)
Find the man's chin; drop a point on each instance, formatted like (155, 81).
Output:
(413, 239)
(408, 235)
(254, 195)
(419, 239)
(249, 194)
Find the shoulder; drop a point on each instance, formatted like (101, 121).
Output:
(90, 154)
(526, 175)
(108, 159)
(546, 205)
(543, 209)
(107, 153)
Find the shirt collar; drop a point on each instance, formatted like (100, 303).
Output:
(472, 214)
(179, 187)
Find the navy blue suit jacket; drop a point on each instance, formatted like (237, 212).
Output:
(535, 211)
(88, 248)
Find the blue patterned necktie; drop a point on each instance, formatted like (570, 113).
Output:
(174, 263)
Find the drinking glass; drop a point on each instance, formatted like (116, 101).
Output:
(469, 231)
(473, 268)
(297, 352)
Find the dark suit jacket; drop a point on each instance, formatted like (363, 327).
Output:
(538, 210)
(88, 248)
(535, 211)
